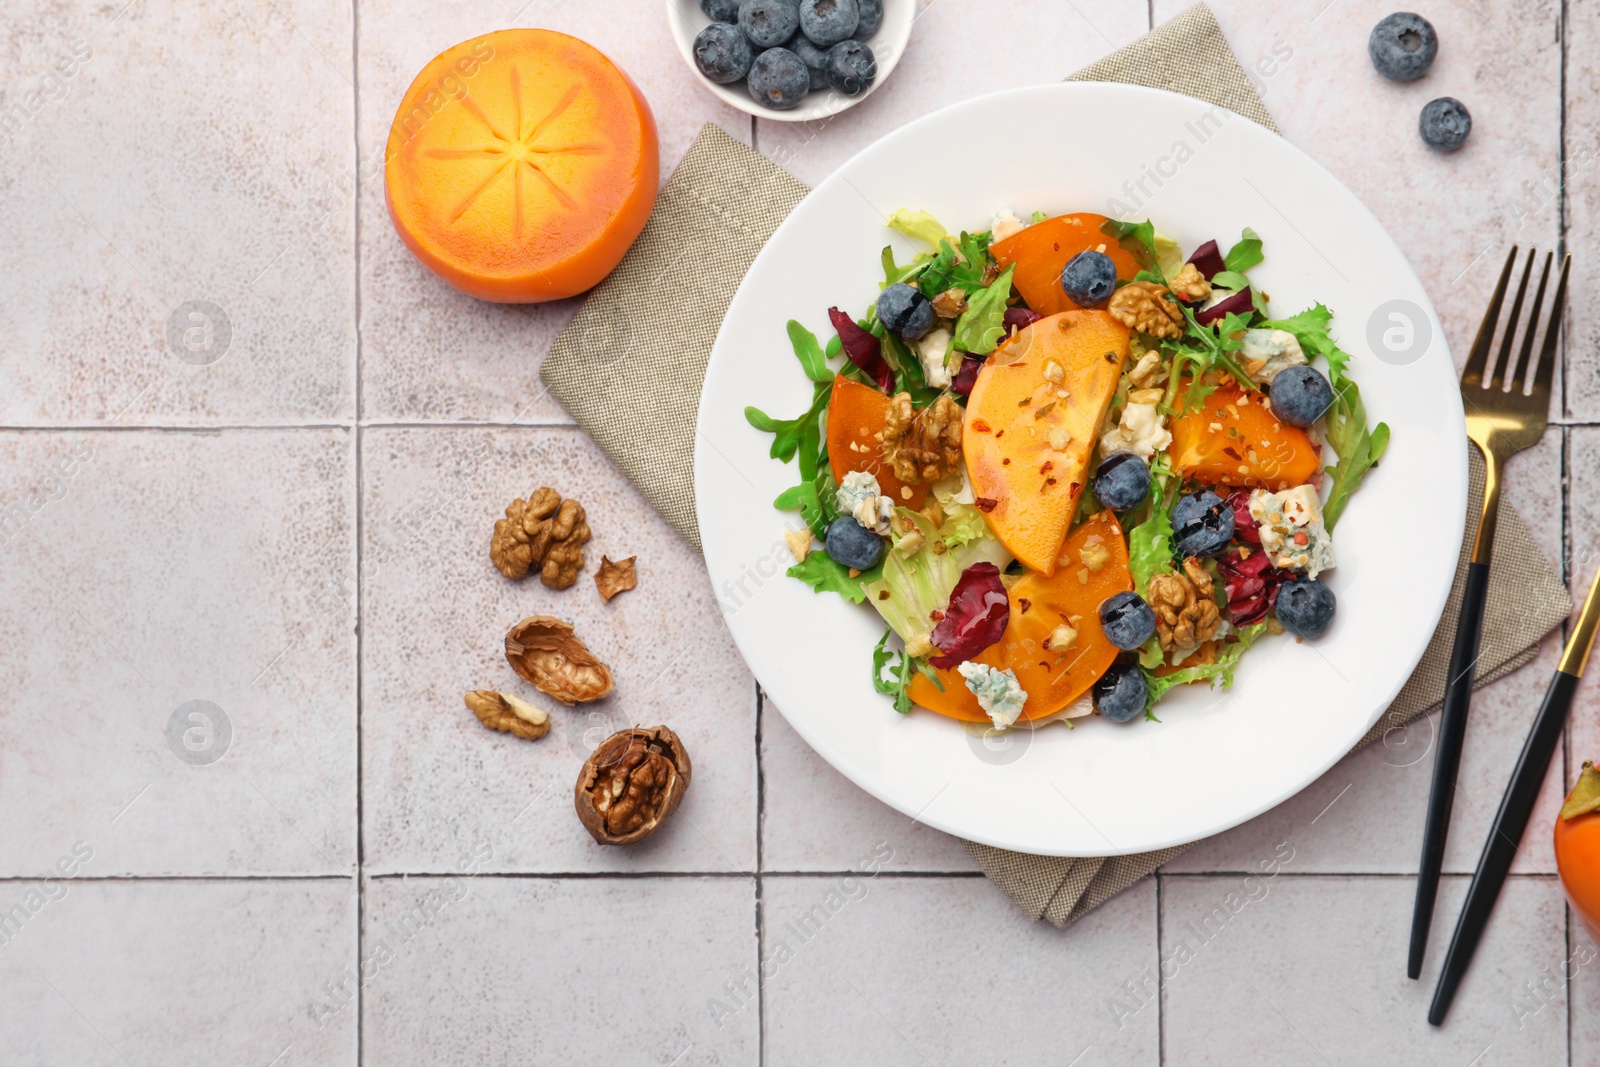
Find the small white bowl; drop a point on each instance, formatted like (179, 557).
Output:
(888, 45)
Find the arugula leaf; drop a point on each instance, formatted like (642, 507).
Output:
(919, 226)
(1218, 674)
(893, 272)
(823, 575)
(1233, 281)
(812, 361)
(1246, 254)
(900, 665)
(1310, 328)
(981, 327)
(1139, 238)
(789, 433)
(960, 265)
(1357, 449)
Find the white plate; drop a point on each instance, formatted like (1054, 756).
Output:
(888, 45)
(1216, 758)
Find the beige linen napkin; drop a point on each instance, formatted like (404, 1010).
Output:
(723, 203)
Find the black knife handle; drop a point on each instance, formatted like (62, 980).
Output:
(1504, 837)
(1447, 758)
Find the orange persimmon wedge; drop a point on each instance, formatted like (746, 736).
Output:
(1031, 423)
(1040, 603)
(1041, 250)
(1233, 440)
(856, 415)
(521, 165)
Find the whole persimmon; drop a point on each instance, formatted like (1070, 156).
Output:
(1577, 842)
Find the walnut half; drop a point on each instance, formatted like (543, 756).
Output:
(1144, 306)
(508, 714)
(543, 531)
(924, 446)
(631, 783)
(1186, 613)
(545, 652)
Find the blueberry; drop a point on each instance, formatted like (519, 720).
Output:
(903, 309)
(851, 544)
(722, 53)
(1122, 481)
(1305, 607)
(871, 18)
(1089, 278)
(1402, 46)
(815, 59)
(1202, 524)
(1121, 692)
(1444, 123)
(1127, 620)
(779, 79)
(721, 10)
(827, 22)
(1300, 395)
(851, 67)
(769, 23)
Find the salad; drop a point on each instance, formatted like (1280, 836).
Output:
(1071, 468)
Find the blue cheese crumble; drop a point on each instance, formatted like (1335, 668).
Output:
(859, 497)
(1266, 353)
(934, 352)
(1292, 534)
(999, 693)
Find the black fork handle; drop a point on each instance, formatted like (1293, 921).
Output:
(1447, 758)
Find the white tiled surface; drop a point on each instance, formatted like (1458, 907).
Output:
(296, 533)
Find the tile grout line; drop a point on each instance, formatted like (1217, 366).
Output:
(1161, 981)
(761, 918)
(355, 240)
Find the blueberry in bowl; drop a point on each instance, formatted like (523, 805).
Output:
(851, 67)
(1402, 46)
(815, 59)
(827, 22)
(769, 23)
(849, 544)
(904, 310)
(1300, 395)
(1122, 481)
(1121, 693)
(722, 53)
(1202, 524)
(721, 10)
(1305, 607)
(779, 79)
(1127, 620)
(1089, 278)
(871, 18)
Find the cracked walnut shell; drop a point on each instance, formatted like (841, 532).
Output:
(616, 576)
(924, 446)
(1186, 611)
(543, 531)
(631, 783)
(545, 652)
(1144, 306)
(508, 714)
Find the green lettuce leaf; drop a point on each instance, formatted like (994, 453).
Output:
(913, 585)
(919, 226)
(982, 325)
(1150, 547)
(1169, 259)
(1139, 239)
(1219, 674)
(1038, 217)
(1244, 255)
(1310, 328)
(1357, 448)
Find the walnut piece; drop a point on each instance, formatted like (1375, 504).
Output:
(923, 446)
(631, 783)
(616, 576)
(543, 531)
(1189, 283)
(508, 714)
(545, 652)
(1186, 613)
(950, 304)
(1144, 306)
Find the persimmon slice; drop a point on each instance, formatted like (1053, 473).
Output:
(521, 165)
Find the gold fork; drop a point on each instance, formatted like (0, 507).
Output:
(1501, 421)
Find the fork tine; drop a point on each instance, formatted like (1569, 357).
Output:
(1502, 364)
(1520, 371)
(1547, 353)
(1479, 355)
